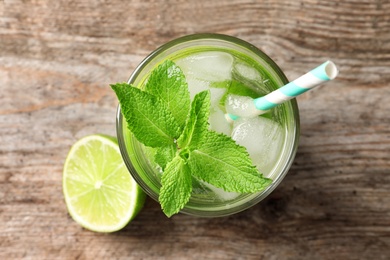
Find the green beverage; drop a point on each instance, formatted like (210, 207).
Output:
(226, 67)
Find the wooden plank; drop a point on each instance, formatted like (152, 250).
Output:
(57, 59)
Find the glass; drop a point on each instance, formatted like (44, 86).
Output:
(136, 156)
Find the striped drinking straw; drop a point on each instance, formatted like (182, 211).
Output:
(323, 73)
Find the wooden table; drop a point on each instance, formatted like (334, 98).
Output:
(57, 59)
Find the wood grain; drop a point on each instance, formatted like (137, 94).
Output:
(57, 59)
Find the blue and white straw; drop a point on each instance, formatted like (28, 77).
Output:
(323, 73)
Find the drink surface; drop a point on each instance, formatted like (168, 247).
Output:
(226, 73)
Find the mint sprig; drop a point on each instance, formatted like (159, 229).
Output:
(162, 116)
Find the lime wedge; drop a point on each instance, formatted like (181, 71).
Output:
(99, 192)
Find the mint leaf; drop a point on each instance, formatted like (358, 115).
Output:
(237, 88)
(220, 84)
(224, 164)
(168, 83)
(164, 155)
(197, 123)
(147, 117)
(176, 186)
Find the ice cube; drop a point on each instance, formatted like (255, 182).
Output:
(251, 77)
(209, 66)
(247, 72)
(216, 95)
(218, 122)
(195, 86)
(220, 193)
(263, 139)
(241, 106)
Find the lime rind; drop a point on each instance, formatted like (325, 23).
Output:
(99, 192)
